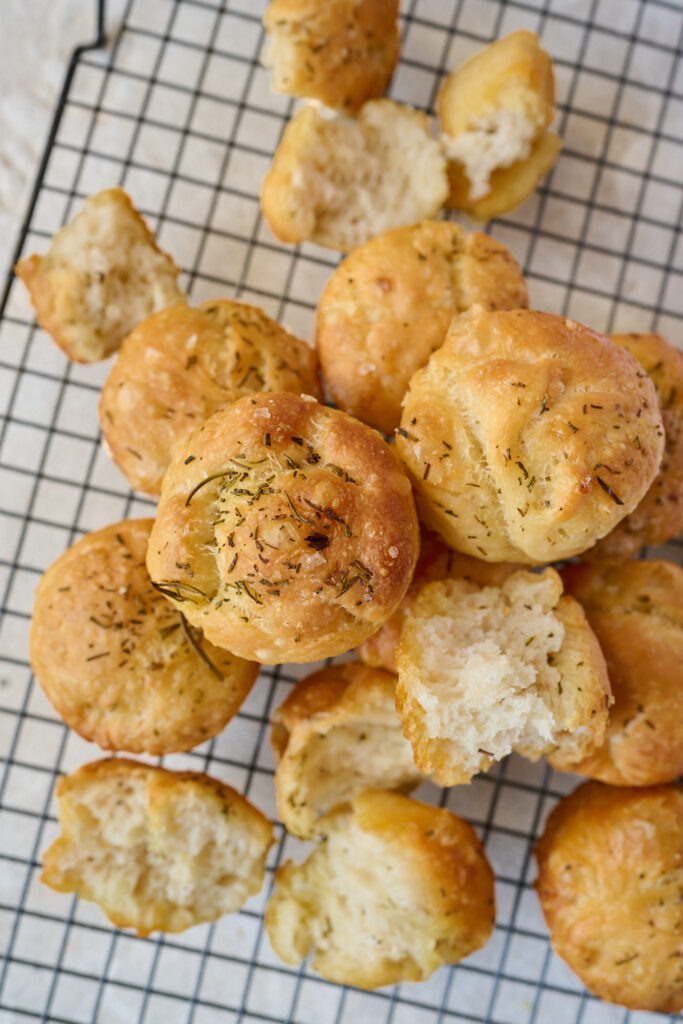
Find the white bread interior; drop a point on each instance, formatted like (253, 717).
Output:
(484, 671)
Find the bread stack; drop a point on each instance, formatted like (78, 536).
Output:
(288, 530)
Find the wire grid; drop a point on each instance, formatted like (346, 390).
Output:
(176, 108)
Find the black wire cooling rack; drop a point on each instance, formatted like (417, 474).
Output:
(170, 102)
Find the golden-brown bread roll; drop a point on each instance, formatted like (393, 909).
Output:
(610, 877)
(388, 305)
(285, 528)
(181, 365)
(336, 734)
(156, 850)
(484, 671)
(102, 274)
(528, 436)
(339, 182)
(494, 111)
(636, 612)
(397, 889)
(120, 665)
(341, 52)
(436, 562)
(659, 516)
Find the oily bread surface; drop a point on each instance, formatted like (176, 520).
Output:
(528, 436)
(495, 110)
(388, 305)
(610, 872)
(659, 516)
(180, 365)
(636, 612)
(285, 528)
(509, 186)
(120, 665)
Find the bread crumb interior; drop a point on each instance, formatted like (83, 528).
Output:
(358, 180)
(498, 139)
(487, 682)
(191, 858)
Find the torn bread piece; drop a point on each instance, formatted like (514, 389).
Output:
(156, 850)
(339, 182)
(284, 527)
(484, 671)
(494, 111)
(101, 276)
(436, 562)
(337, 734)
(397, 889)
(341, 52)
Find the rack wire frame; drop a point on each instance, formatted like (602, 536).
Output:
(170, 101)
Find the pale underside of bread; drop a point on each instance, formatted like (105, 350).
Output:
(102, 275)
(487, 671)
(329, 768)
(156, 850)
(346, 180)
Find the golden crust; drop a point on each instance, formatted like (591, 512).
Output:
(610, 874)
(636, 612)
(117, 661)
(388, 305)
(510, 186)
(436, 562)
(528, 436)
(157, 850)
(514, 72)
(304, 552)
(342, 52)
(659, 516)
(508, 87)
(102, 274)
(442, 899)
(578, 709)
(181, 365)
(336, 734)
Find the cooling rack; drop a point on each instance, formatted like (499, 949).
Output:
(170, 102)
